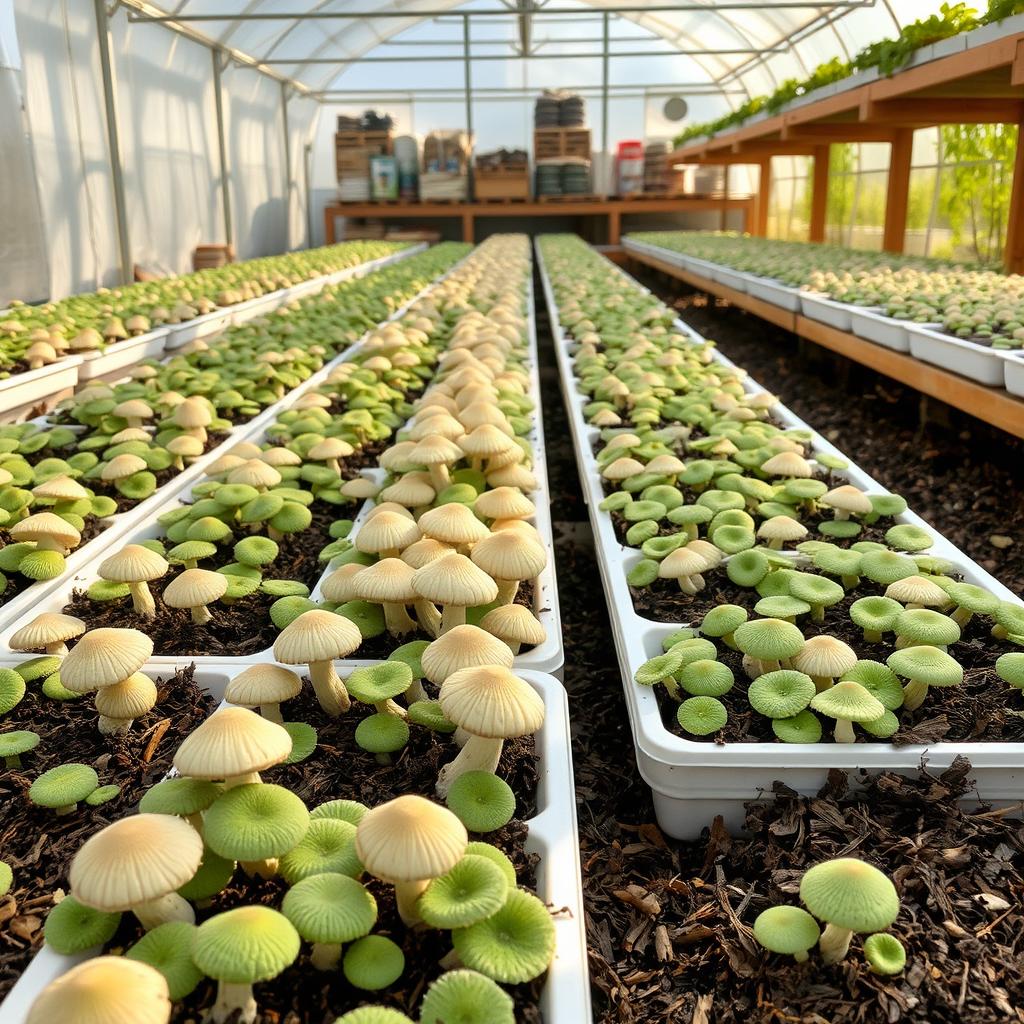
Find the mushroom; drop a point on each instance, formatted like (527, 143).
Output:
(504, 503)
(187, 798)
(239, 948)
(183, 447)
(329, 910)
(194, 589)
(885, 953)
(850, 896)
(847, 702)
(137, 566)
(329, 450)
(916, 592)
(389, 584)
(923, 667)
(455, 524)
(120, 467)
(456, 584)
(766, 643)
(48, 531)
(104, 990)
(789, 930)
(233, 745)
(685, 565)
(135, 411)
(386, 533)
(515, 625)
(846, 501)
(49, 630)
(408, 841)
(317, 638)
(138, 864)
(779, 530)
(168, 948)
(452, 991)
(491, 704)
(508, 557)
(461, 647)
(193, 416)
(265, 687)
(824, 659)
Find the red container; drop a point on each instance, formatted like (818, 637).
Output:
(630, 167)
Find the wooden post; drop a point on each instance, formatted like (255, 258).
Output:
(614, 226)
(467, 227)
(1014, 254)
(898, 191)
(819, 194)
(724, 212)
(764, 191)
(330, 216)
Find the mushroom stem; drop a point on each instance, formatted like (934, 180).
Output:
(844, 731)
(415, 692)
(818, 612)
(451, 616)
(232, 998)
(201, 615)
(914, 694)
(849, 582)
(389, 707)
(481, 753)
(332, 465)
(429, 617)
(439, 478)
(688, 584)
(178, 463)
(999, 632)
(272, 713)
(325, 956)
(196, 821)
(330, 690)
(799, 956)
(13, 761)
(397, 619)
(242, 780)
(274, 534)
(142, 600)
(834, 943)
(406, 895)
(872, 636)
(822, 683)
(59, 649)
(114, 726)
(840, 515)
(170, 907)
(513, 646)
(507, 590)
(265, 868)
(962, 616)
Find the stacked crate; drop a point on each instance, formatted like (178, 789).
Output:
(502, 176)
(562, 160)
(353, 151)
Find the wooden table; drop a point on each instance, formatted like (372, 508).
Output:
(993, 405)
(610, 209)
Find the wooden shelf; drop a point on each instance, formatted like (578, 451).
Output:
(993, 405)
(611, 209)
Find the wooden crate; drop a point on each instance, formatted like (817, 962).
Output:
(353, 150)
(552, 142)
(501, 184)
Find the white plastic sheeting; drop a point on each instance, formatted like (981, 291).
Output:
(167, 124)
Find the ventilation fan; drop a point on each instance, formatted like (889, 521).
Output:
(675, 108)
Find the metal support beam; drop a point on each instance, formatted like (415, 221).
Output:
(114, 141)
(605, 157)
(288, 181)
(694, 5)
(225, 181)
(467, 67)
(516, 93)
(450, 58)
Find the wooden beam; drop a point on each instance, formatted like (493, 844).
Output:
(1017, 68)
(898, 191)
(819, 194)
(1014, 254)
(769, 147)
(614, 227)
(764, 190)
(836, 131)
(923, 113)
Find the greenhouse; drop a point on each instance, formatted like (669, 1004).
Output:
(511, 512)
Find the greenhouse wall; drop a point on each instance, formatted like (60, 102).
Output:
(168, 138)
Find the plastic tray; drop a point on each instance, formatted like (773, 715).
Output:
(26, 389)
(978, 362)
(767, 290)
(692, 782)
(122, 354)
(565, 998)
(1013, 368)
(825, 310)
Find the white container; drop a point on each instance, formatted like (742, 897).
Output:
(778, 294)
(204, 326)
(988, 33)
(978, 362)
(734, 279)
(825, 310)
(122, 355)
(552, 836)
(1013, 367)
(691, 781)
(23, 390)
(873, 325)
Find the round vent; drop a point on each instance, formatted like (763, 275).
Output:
(675, 108)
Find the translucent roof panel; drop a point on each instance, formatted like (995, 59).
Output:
(737, 48)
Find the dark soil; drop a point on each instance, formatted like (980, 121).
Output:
(668, 922)
(36, 842)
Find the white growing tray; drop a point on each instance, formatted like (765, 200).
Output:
(978, 362)
(1013, 367)
(122, 354)
(22, 390)
(565, 998)
(692, 782)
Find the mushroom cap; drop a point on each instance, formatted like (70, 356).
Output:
(179, 795)
(875, 613)
(330, 448)
(245, 945)
(410, 490)
(254, 821)
(195, 587)
(781, 528)
(389, 580)
(340, 586)
(135, 860)
(316, 635)
(232, 741)
(454, 580)
(134, 563)
(973, 598)
(194, 412)
(926, 664)
(781, 694)
(46, 526)
(848, 701)
(825, 656)
(359, 487)
(46, 628)
(515, 624)
(263, 684)
(681, 563)
(504, 503)
(255, 473)
(768, 639)
(60, 488)
(850, 894)
(104, 990)
(454, 992)
(1010, 668)
(509, 555)
(131, 698)
(103, 657)
(490, 701)
(121, 466)
(133, 408)
(330, 907)
(453, 523)
(425, 550)
(409, 839)
(186, 445)
(924, 626)
(787, 464)
(463, 647)
(278, 456)
(917, 590)
(786, 930)
(847, 498)
(487, 439)
(386, 530)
